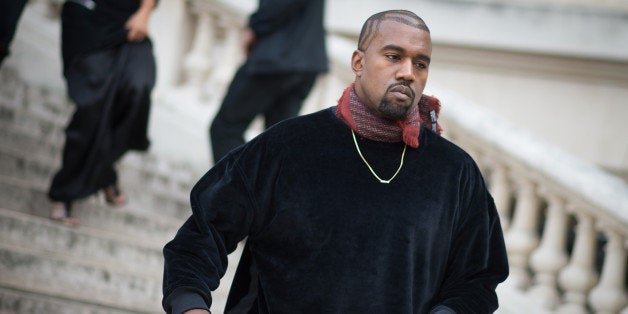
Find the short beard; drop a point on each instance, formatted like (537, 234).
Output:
(392, 112)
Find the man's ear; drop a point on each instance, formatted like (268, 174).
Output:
(356, 62)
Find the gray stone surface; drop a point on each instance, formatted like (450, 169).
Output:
(14, 301)
(84, 243)
(60, 275)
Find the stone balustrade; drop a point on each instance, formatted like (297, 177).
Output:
(565, 221)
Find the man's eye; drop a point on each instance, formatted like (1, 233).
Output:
(420, 65)
(393, 57)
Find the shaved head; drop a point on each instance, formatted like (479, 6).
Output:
(371, 26)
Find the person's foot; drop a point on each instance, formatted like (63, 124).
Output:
(114, 196)
(60, 211)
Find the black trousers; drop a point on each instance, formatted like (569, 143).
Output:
(276, 96)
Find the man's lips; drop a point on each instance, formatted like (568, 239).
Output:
(401, 91)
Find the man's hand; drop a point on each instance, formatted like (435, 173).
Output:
(197, 311)
(248, 40)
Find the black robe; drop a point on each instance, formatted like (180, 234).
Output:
(110, 81)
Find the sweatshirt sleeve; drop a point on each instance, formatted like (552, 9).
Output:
(196, 259)
(477, 260)
(273, 14)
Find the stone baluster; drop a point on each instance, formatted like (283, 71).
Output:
(333, 88)
(500, 190)
(579, 276)
(197, 63)
(550, 257)
(609, 296)
(316, 97)
(231, 46)
(522, 237)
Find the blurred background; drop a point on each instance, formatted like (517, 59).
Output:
(536, 91)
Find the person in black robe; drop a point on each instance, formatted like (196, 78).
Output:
(109, 69)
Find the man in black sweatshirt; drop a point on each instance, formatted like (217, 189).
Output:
(359, 208)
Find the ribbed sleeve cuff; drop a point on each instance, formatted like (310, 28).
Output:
(184, 299)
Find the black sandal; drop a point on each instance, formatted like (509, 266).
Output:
(113, 195)
(60, 211)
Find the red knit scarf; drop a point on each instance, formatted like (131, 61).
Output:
(364, 122)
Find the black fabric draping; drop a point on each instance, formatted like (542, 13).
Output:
(110, 82)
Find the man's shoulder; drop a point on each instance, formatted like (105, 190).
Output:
(290, 135)
(306, 123)
(298, 130)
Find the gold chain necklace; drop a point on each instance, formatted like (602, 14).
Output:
(369, 166)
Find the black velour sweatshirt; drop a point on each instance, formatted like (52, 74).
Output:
(325, 236)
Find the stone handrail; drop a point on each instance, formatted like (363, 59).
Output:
(565, 221)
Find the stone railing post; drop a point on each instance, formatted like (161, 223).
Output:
(550, 257)
(331, 89)
(609, 296)
(233, 44)
(579, 276)
(231, 48)
(198, 62)
(522, 237)
(500, 190)
(325, 93)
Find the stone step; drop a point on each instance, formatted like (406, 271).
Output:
(52, 107)
(143, 183)
(12, 89)
(58, 275)
(82, 242)
(20, 103)
(28, 122)
(26, 302)
(34, 166)
(158, 184)
(18, 195)
(141, 174)
(23, 141)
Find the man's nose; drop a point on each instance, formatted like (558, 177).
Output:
(406, 70)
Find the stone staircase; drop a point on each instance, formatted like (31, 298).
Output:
(112, 262)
